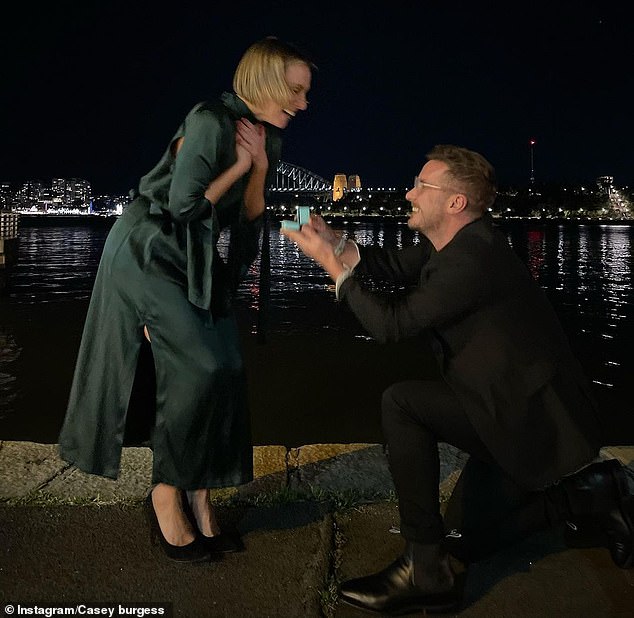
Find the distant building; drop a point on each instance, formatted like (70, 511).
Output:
(28, 195)
(606, 183)
(339, 187)
(60, 194)
(78, 193)
(354, 182)
(5, 195)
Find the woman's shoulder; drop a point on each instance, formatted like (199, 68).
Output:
(207, 116)
(227, 105)
(208, 110)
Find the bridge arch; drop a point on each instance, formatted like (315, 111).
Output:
(293, 178)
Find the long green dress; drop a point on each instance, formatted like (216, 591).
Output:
(160, 267)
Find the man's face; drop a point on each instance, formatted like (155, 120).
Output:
(428, 201)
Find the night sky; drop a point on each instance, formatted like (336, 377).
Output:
(95, 90)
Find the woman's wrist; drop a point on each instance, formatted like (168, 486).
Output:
(220, 185)
(261, 165)
(241, 167)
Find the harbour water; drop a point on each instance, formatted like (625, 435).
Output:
(314, 374)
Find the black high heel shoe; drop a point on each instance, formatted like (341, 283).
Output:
(218, 543)
(196, 551)
(223, 543)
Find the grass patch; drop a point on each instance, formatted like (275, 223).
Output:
(44, 499)
(285, 495)
(339, 501)
(329, 596)
(351, 498)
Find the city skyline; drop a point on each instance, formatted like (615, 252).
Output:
(341, 183)
(601, 201)
(96, 90)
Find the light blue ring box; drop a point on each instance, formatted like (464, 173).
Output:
(303, 216)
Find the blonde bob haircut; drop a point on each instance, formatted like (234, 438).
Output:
(260, 74)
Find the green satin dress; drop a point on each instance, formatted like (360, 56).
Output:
(160, 267)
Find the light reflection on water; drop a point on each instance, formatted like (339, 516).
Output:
(587, 272)
(55, 263)
(585, 269)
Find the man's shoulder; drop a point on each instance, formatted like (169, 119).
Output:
(480, 232)
(478, 245)
(481, 225)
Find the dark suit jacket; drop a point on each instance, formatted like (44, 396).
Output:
(499, 344)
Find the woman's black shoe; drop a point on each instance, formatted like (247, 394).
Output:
(223, 543)
(196, 551)
(219, 543)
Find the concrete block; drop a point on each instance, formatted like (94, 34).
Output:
(25, 466)
(134, 482)
(359, 468)
(269, 460)
(625, 454)
(452, 460)
(269, 473)
(313, 453)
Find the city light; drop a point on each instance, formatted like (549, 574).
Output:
(345, 197)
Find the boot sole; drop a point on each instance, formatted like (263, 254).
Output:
(626, 507)
(452, 605)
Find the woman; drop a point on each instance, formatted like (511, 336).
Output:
(161, 276)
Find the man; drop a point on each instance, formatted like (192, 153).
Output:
(513, 395)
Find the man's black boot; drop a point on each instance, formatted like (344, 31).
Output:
(599, 494)
(595, 503)
(420, 579)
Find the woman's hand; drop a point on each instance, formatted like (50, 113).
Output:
(252, 139)
(250, 155)
(243, 158)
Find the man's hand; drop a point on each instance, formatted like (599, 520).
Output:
(318, 223)
(312, 244)
(347, 252)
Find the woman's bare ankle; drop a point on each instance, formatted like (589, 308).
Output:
(174, 524)
(203, 511)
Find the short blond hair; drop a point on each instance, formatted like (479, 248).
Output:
(260, 74)
(470, 171)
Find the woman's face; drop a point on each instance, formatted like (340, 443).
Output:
(298, 77)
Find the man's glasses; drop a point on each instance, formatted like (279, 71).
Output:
(419, 184)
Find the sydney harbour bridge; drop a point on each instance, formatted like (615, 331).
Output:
(290, 178)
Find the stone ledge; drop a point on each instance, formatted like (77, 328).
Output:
(34, 472)
(26, 466)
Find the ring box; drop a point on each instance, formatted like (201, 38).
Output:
(302, 217)
(290, 225)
